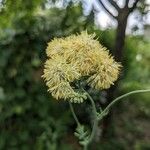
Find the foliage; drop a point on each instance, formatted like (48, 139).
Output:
(25, 106)
(29, 118)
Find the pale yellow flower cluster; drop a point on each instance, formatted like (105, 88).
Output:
(74, 57)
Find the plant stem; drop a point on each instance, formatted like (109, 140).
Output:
(119, 98)
(77, 121)
(102, 114)
(95, 124)
(74, 115)
(85, 147)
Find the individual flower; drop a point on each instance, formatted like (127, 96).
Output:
(76, 56)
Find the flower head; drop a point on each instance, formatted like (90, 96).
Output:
(74, 57)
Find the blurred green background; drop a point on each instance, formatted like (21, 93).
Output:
(29, 118)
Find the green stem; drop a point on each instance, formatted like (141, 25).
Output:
(76, 119)
(119, 98)
(85, 147)
(95, 124)
(74, 115)
(103, 113)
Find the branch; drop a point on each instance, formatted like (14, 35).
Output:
(134, 6)
(95, 123)
(74, 115)
(126, 3)
(113, 3)
(105, 111)
(100, 1)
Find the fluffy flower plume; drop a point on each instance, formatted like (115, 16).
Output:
(74, 57)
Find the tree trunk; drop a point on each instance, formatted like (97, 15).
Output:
(120, 38)
(107, 127)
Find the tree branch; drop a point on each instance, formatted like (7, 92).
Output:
(134, 6)
(113, 3)
(126, 3)
(100, 1)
